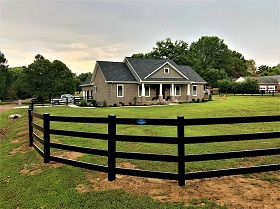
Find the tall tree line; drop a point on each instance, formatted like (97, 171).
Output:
(210, 57)
(41, 78)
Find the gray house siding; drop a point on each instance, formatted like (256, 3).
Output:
(133, 73)
(161, 73)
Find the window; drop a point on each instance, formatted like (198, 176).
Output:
(271, 88)
(262, 88)
(120, 90)
(147, 91)
(166, 70)
(177, 90)
(95, 89)
(194, 90)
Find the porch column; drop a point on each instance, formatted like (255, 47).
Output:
(189, 92)
(172, 92)
(160, 96)
(143, 94)
(84, 94)
(189, 89)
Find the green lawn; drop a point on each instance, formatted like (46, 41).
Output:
(55, 187)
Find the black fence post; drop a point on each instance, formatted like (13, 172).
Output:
(46, 138)
(181, 150)
(111, 147)
(30, 127)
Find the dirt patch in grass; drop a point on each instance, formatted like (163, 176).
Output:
(233, 191)
(21, 149)
(20, 139)
(3, 132)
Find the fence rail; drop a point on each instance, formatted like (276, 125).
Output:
(112, 137)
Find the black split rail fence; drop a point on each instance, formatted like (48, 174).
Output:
(181, 158)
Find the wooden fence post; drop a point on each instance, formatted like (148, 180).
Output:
(30, 127)
(111, 147)
(181, 150)
(46, 138)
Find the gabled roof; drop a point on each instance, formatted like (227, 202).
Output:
(146, 66)
(274, 79)
(138, 69)
(87, 82)
(115, 71)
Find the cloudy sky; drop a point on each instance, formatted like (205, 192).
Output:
(80, 32)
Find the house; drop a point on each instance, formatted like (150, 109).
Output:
(269, 83)
(266, 83)
(142, 81)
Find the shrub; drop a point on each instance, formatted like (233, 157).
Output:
(94, 103)
(83, 103)
(104, 103)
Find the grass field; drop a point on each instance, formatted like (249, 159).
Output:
(54, 187)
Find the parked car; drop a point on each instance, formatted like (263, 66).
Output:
(64, 98)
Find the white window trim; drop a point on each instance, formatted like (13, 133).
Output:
(175, 90)
(118, 90)
(271, 88)
(95, 89)
(166, 68)
(140, 87)
(262, 88)
(196, 90)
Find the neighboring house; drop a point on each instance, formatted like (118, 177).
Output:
(266, 83)
(140, 81)
(269, 83)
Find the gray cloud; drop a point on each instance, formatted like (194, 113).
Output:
(79, 32)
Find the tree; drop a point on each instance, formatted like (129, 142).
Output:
(251, 66)
(209, 52)
(3, 76)
(249, 86)
(238, 65)
(264, 70)
(49, 79)
(19, 82)
(166, 49)
(226, 85)
(80, 79)
(211, 76)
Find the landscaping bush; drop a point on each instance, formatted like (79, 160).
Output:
(94, 103)
(83, 103)
(104, 103)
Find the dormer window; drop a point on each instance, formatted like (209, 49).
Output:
(166, 70)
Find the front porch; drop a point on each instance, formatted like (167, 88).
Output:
(164, 93)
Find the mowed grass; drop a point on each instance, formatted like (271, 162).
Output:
(54, 187)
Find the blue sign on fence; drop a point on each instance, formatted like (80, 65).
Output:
(141, 121)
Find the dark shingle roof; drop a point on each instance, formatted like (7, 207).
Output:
(86, 82)
(275, 79)
(119, 71)
(115, 71)
(145, 66)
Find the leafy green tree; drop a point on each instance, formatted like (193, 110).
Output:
(166, 49)
(80, 79)
(50, 79)
(238, 65)
(3, 76)
(19, 82)
(249, 86)
(226, 85)
(268, 71)
(251, 66)
(209, 52)
(212, 75)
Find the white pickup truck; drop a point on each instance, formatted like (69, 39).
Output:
(65, 98)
